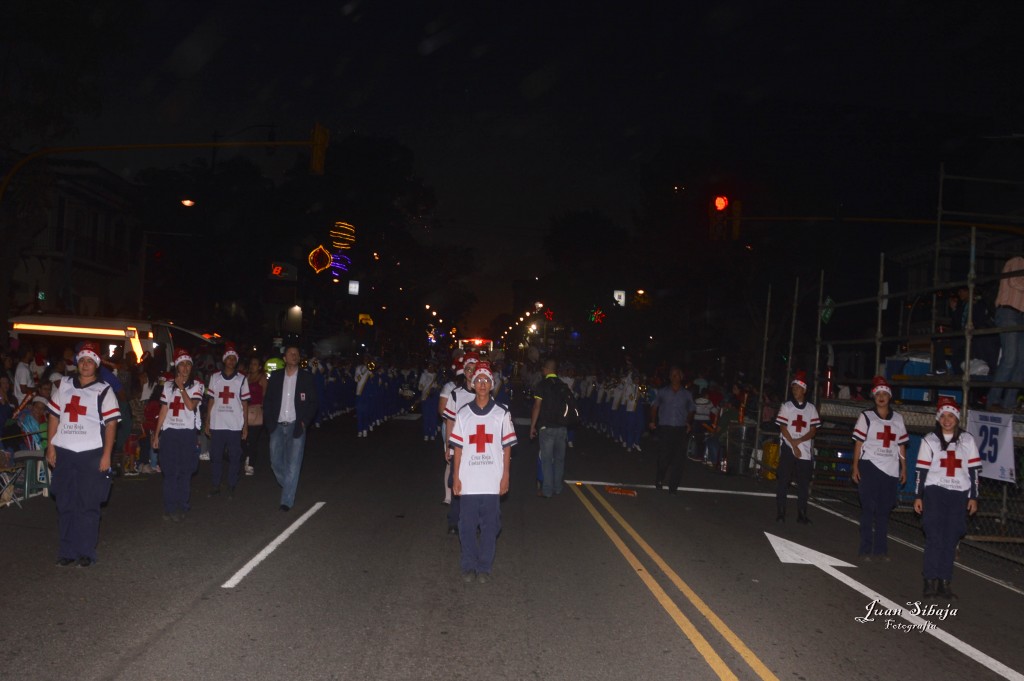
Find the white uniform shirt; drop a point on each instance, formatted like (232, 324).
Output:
(83, 413)
(22, 376)
(881, 439)
(482, 434)
(362, 375)
(458, 397)
(228, 395)
(426, 380)
(948, 467)
(798, 420)
(178, 416)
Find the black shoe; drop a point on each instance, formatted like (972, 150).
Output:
(231, 492)
(658, 485)
(452, 529)
(931, 588)
(780, 518)
(285, 508)
(803, 519)
(66, 562)
(946, 590)
(213, 492)
(84, 562)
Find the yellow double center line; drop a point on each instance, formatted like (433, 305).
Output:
(682, 621)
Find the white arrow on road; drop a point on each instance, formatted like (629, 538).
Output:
(791, 552)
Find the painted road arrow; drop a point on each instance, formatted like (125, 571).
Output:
(791, 552)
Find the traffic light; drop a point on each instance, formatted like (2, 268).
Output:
(724, 217)
(717, 218)
(318, 142)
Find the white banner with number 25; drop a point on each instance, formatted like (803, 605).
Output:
(994, 434)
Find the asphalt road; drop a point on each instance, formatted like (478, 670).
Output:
(587, 585)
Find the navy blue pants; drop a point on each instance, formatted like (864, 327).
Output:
(481, 511)
(945, 521)
(79, 488)
(454, 508)
(790, 467)
(878, 492)
(230, 440)
(179, 460)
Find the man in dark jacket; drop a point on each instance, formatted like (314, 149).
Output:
(289, 408)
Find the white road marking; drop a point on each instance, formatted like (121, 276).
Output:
(705, 490)
(791, 552)
(271, 547)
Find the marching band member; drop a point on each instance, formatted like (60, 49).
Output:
(948, 465)
(82, 423)
(879, 467)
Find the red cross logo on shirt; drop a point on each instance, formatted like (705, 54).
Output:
(481, 439)
(226, 394)
(177, 405)
(950, 463)
(799, 423)
(75, 408)
(887, 436)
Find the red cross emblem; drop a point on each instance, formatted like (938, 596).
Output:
(887, 436)
(950, 463)
(177, 405)
(481, 439)
(799, 423)
(226, 395)
(75, 409)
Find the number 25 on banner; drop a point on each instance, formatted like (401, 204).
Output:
(994, 435)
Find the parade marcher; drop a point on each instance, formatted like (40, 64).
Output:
(482, 437)
(442, 403)
(429, 394)
(672, 414)
(226, 420)
(702, 423)
(176, 435)
(879, 467)
(547, 424)
(798, 422)
(948, 466)
(82, 426)
(460, 395)
(364, 424)
(289, 408)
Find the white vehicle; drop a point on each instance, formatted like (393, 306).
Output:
(117, 336)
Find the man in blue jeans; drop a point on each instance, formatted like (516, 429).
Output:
(1009, 313)
(289, 407)
(547, 423)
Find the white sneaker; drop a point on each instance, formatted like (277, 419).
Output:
(426, 437)
(204, 456)
(249, 470)
(570, 445)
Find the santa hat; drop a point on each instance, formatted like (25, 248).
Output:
(458, 366)
(229, 350)
(947, 405)
(89, 350)
(181, 355)
(879, 384)
(800, 379)
(485, 369)
(471, 356)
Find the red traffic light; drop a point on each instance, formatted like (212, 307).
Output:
(721, 203)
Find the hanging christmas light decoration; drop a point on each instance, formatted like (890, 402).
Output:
(319, 259)
(343, 236)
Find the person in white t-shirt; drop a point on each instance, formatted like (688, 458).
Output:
(226, 420)
(176, 435)
(23, 383)
(798, 423)
(482, 436)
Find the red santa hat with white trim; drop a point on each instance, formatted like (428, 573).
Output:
(181, 355)
(484, 369)
(229, 350)
(879, 384)
(89, 350)
(800, 379)
(947, 405)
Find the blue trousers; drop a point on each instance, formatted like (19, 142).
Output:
(79, 488)
(230, 440)
(455, 507)
(944, 521)
(481, 511)
(286, 453)
(179, 460)
(552, 459)
(878, 492)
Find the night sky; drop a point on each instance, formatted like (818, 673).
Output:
(519, 112)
